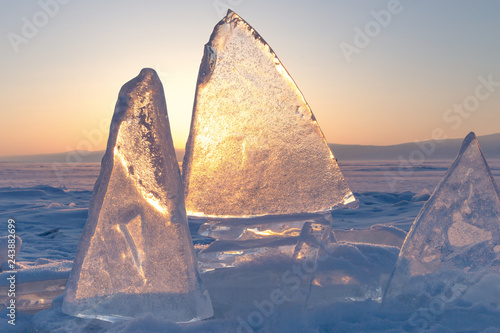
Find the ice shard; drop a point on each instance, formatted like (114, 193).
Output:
(313, 240)
(254, 146)
(349, 272)
(453, 247)
(135, 255)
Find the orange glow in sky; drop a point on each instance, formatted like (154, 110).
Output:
(411, 76)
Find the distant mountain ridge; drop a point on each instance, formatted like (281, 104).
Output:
(430, 150)
(74, 156)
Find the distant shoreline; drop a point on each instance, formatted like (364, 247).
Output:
(413, 152)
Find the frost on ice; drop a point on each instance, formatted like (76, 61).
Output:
(453, 246)
(257, 166)
(135, 255)
(255, 147)
(257, 227)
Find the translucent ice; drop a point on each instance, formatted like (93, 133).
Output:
(255, 147)
(251, 260)
(135, 255)
(254, 241)
(249, 253)
(37, 283)
(377, 234)
(332, 271)
(312, 241)
(454, 242)
(351, 272)
(273, 226)
(34, 295)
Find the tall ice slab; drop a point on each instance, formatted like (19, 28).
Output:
(254, 147)
(135, 255)
(453, 248)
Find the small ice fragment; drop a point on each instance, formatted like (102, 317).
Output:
(272, 226)
(313, 240)
(351, 272)
(377, 234)
(247, 253)
(253, 241)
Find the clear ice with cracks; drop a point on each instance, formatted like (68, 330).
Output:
(333, 271)
(347, 272)
(271, 226)
(135, 255)
(312, 240)
(453, 248)
(253, 260)
(254, 146)
(255, 241)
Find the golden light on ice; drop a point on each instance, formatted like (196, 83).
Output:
(255, 147)
(136, 255)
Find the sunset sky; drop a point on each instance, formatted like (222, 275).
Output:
(369, 77)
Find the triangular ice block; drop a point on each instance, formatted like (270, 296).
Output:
(454, 243)
(135, 255)
(254, 147)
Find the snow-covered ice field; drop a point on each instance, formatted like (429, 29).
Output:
(49, 203)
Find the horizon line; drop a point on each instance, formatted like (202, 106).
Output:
(183, 149)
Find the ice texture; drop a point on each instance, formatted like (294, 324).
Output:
(135, 255)
(37, 283)
(312, 241)
(248, 253)
(252, 260)
(272, 226)
(454, 243)
(254, 241)
(35, 295)
(377, 234)
(349, 272)
(333, 271)
(255, 147)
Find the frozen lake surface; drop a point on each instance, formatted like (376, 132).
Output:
(49, 203)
